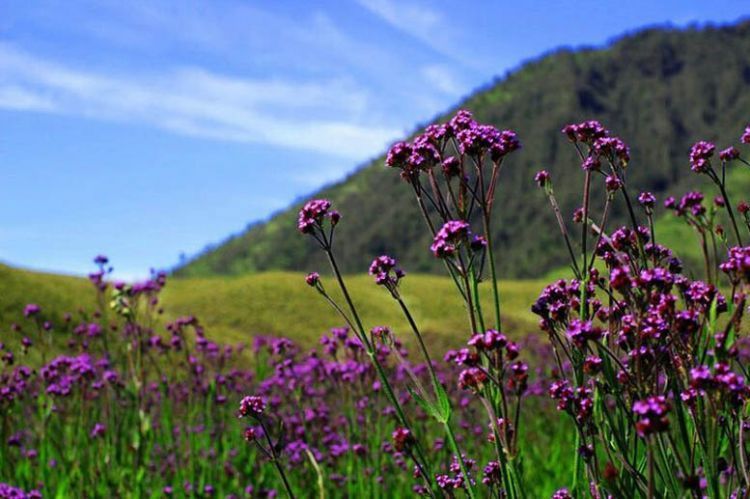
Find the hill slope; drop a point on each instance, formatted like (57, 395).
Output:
(234, 309)
(660, 89)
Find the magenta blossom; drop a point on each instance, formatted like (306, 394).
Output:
(449, 237)
(700, 156)
(312, 214)
(252, 406)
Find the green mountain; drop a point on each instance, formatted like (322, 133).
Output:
(659, 89)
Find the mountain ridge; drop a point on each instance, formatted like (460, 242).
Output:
(659, 88)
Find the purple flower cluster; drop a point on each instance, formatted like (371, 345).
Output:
(450, 236)
(252, 406)
(462, 132)
(722, 380)
(652, 415)
(641, 335)
(691, 203)
(10, 492)
(700, 156)
(729, 154)
(313, 213)
(737, 265)
(581, 332)
(576, 401)
(385, 272)
(600, 142)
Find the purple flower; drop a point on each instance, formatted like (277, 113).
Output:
(451, 167)
(745, 139)
(591, 163)
(16, 493)
(700, 156)
(612, 147)
(586, 131)
(647, 200)
(738, 264)
(492, 474)
(542, 178)
(446, 241)
(592, 365)
(701, 377)
(461, 121)
(490, 340)
(398, 155)
(472, 378)
(98, 430)
(384, 269)
(31, 309)
(312, 214)
(620, 278)
(252, 405)
(312, 279)
(402, 439)
(729, 154)
(581, 332)
(562, 494)
(612, 183)
(652, 415)
(478, 243)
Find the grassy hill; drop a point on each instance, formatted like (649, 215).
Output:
(234, 309)
(660, 89)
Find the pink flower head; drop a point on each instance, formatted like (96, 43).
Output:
(252, 405)
(700, 156)
(449, 237)
(313, 213)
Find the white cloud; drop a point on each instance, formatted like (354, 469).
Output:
(319, 115)
(442, 78)
(411, 18)
(423, 22)
(19, 99)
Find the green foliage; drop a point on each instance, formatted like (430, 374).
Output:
(660, 89)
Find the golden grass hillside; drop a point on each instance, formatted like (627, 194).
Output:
(234, 309)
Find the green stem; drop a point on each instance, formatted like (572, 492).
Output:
(436, 387)
(493, 271)
(373, 357)
(460, 457)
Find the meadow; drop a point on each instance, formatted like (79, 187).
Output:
(622, 375)
(237, 308)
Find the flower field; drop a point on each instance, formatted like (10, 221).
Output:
(623, 377)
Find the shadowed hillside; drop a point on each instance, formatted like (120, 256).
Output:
(660, 89)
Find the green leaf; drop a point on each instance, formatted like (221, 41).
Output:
(424, 404)
(443, 404)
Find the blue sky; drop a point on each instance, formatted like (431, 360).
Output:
(143, 130)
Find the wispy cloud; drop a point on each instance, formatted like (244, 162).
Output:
(423, 22)
(320, 115)
(444, 79)
(419, 20)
